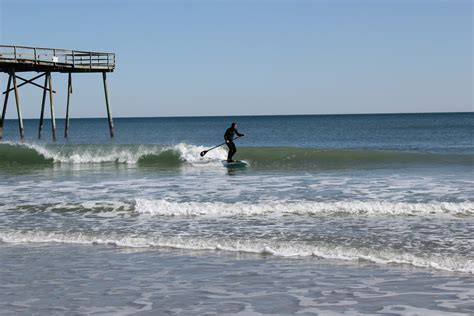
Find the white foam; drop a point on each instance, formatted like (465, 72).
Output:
(279, 208)
(121, 153)
(191, 154)
(93, 154)
(265, 247)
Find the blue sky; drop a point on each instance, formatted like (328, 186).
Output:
(191, 58)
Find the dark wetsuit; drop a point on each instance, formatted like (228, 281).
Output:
(228, 137)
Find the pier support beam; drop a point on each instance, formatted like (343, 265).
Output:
(29, 81)
(51, 107)
(5, 103)
(45, 88)
(69, 92)
(109, 114)
(18, 109)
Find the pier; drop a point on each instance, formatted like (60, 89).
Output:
(44, 62)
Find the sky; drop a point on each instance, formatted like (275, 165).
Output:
(261, 57)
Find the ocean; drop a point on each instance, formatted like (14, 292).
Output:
(355, 214)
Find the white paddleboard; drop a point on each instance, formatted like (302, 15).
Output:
(235, 164)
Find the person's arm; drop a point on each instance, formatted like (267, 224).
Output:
(239, 134)
(226, 136)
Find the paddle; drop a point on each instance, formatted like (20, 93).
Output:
(203, 153)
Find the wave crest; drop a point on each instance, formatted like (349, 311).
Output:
(169, 208)
(264, 247)
(272, 158)
(96, 154)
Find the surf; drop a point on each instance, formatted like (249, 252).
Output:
(259, 158)
(302, 208)
(173, 155)
(259, 209)
(286, 249)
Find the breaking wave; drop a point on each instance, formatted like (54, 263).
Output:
(258, 246)
(259, 157)
(28, 153)
(168, 208)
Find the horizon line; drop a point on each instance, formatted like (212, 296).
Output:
(252, 115)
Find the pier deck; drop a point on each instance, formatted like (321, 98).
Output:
(25, 58)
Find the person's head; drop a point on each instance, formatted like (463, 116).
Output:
(233, 125)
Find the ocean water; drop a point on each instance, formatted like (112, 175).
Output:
(335, 214)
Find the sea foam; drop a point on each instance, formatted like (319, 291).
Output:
(266, 158)
(257, 246)
(281, 208)
(126, 154)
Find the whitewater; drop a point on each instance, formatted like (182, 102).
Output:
(262, 157)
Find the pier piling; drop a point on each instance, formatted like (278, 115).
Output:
(69, 92)
(45, 89)
(109, 114)
(51, 107)
(5, 103)
(18, 109)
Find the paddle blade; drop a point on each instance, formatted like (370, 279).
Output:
(203, 153)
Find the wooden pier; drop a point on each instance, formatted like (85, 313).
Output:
(45, 61)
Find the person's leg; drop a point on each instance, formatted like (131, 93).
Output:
(229, 154)
(232, 151)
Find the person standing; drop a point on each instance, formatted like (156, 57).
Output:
(229, 140)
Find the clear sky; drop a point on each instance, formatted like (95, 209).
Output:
(247, 57)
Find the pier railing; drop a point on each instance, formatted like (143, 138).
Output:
(64, 58)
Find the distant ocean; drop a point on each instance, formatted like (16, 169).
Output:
(335, 213)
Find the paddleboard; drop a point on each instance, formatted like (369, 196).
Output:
(235, 164)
